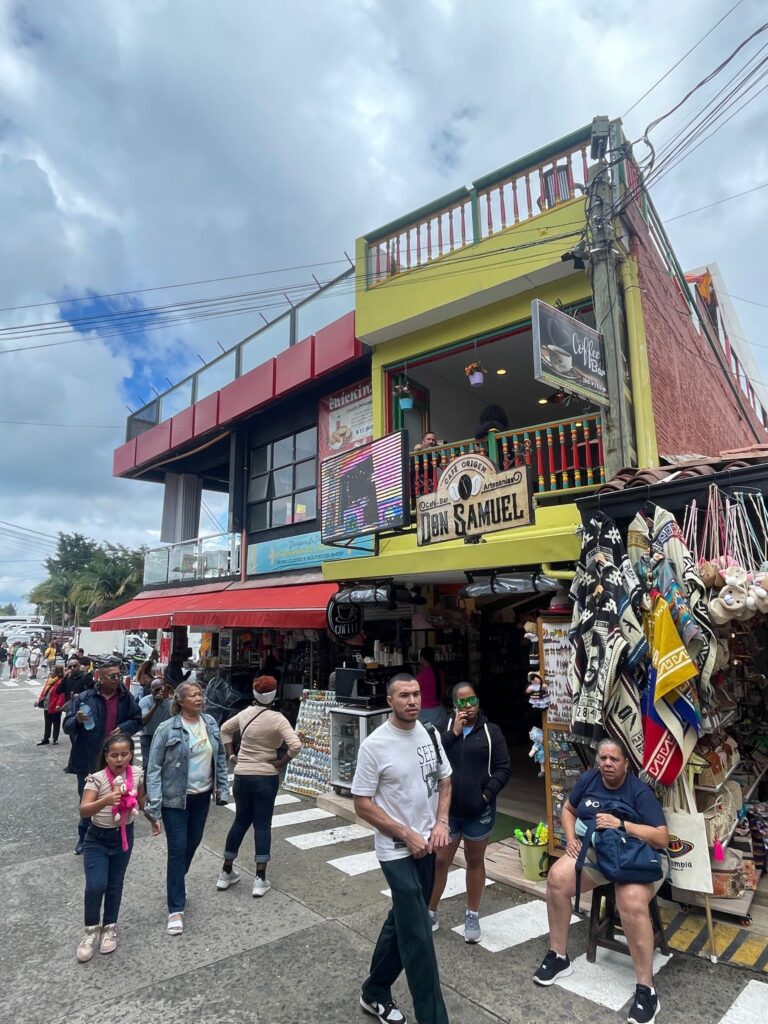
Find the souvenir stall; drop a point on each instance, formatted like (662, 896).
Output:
(668, 653)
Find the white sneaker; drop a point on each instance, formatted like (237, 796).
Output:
(433, 920)
(226, 879)
(88, 943)
(261, 886)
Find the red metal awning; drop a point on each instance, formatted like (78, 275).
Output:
(292, 607)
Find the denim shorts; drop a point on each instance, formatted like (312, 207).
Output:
(473, 828)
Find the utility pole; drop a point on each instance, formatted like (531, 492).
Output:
(618, 428)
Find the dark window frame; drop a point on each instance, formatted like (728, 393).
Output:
(266, 483)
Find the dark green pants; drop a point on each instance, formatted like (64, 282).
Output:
(406, 941)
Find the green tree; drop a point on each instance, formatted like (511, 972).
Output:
(8, 609)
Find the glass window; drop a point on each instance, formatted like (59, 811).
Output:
(282, 452)
(258, 517)
(282, 481)
(260, 461)
(306, 444)
(305, 475)
(305, 506)
(282, 509)
(258, 488)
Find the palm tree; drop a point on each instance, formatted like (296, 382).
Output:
(113, 576)
(54, 592)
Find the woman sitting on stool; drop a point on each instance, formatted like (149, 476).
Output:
(603, 787)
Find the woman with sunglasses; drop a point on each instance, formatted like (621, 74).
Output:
(479, 757)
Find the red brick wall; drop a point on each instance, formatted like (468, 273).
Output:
(693, 404)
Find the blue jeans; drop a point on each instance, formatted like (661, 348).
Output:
(84, 823)
(184, 829)
(254, 803)
(105, 863)
(405, 941)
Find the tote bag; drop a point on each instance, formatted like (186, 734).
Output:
(688, 851)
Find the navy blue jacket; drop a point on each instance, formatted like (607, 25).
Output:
(87, 743)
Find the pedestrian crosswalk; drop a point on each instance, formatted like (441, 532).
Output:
(608, 983)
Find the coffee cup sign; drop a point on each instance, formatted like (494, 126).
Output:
(472, 499)
(568, 354)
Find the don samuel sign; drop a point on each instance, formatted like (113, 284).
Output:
(472, 499)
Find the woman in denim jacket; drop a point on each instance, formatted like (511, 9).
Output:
(186, 765)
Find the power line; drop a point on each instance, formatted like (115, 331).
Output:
(680, 61)
(91, 426)
(28, 529)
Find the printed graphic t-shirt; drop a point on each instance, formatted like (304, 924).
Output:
(399, 770)
(590, 796)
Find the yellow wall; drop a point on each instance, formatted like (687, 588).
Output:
(465, 272)
(569, 290)
(553, 538)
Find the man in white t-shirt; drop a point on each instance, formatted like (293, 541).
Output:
(402, 786)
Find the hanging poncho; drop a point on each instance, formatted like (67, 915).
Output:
(606, 635)
(671, 713)
(662, 534)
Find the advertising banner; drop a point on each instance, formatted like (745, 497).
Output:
(365, 490)
(472, 499)
(567, 354)
(303, 551)
(345, 420)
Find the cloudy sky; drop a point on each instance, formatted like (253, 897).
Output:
(155, 142)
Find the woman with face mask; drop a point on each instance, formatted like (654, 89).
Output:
(257, 779)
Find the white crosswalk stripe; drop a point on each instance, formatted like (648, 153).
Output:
(749, 1005)
(513, 926)
(280, 800)
(356, 863)
(454, 886)
(329, 837)
(610, 980)
(299, 817)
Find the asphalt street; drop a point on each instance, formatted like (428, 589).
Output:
(294, 957)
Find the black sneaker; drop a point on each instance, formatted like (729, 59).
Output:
(388, 1013)
(644, 1006)
(553, 967)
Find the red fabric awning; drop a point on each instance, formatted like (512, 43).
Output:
(294, 607)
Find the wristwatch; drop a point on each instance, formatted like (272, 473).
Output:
(622, 825)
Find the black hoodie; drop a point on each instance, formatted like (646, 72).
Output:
(480, 762)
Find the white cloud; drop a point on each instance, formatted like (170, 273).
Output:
(152, 142)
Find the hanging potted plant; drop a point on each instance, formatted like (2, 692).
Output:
(476, 373)
(402, 392)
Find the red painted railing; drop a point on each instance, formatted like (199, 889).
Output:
(564, 455)
(532, 191)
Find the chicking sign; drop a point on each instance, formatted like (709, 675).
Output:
(473, 499)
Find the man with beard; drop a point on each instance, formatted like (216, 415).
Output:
(92, 715)
(402, 787)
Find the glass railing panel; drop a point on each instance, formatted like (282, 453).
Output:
(176, 400)
(266, 344)
(156, 566)
(216, 375)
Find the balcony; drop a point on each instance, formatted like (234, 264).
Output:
(461, 245)
(564, 455)
(194, 561)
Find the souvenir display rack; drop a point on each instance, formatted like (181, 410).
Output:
(310, 772)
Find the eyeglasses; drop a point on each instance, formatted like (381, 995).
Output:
(112, 675)
(467, 702)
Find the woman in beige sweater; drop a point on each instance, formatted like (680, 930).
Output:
(257, 778)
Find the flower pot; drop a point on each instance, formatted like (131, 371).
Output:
(477, 379)
(406, 401)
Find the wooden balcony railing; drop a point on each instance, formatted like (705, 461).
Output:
(565, 455)
(520, 191)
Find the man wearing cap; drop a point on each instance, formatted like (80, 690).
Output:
(92, 715)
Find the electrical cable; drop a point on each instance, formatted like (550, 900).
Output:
(680, 61)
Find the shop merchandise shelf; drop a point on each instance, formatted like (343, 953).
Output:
(753, 785)
(719, 786)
